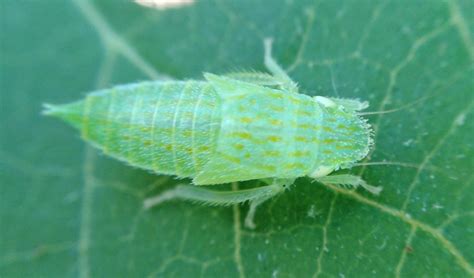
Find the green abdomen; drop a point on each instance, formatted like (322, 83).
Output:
(166, 127)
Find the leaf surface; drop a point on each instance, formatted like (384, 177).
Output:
(68, 210)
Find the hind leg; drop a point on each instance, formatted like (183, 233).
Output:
(255, 196)
(349, 180)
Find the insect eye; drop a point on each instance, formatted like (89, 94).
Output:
(326, 102)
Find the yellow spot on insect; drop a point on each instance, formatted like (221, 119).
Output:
(274, 138)
(328, 141)
(300, 153)
(238, 97)
(296, 165)
(305, 126)
(269, 168)
(187, 133)
(231, 158)
(203, 148)
(239, 147)
(301, 139)
(246, 120)
(147, 143)
(168, 147)
(294, 100)
(243, 135)
(276, 122)
(277, 108)
(276, 95)
(328, 129)
(349, 128)
(327, 152)
(304, 113)
(346, 147)
(272, 153)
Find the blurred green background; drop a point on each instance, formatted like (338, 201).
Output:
(66, 210)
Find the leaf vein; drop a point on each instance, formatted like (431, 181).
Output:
(111, 40)
(462, 26)
(403, 255)
(237, 236)
(435, 233)
(452, 129)
(393, 76)
(325, 237)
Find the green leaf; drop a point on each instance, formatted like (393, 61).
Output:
(68, 210)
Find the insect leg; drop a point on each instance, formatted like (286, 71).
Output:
(282, 183)
(213, 197)
(349, 180)
(275, 69)
(249, 223)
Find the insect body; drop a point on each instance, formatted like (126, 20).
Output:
(237, 127)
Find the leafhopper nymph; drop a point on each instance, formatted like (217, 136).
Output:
(226, 128)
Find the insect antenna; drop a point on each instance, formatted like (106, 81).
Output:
(385, 163)
(396, 109)
(394, 163)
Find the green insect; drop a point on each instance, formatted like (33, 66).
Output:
(235, 127)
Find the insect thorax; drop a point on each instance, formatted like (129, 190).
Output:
(272, 133)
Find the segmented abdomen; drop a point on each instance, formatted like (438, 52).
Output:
(166, 127)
